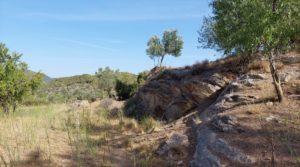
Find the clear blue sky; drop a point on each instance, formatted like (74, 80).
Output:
(71, 37)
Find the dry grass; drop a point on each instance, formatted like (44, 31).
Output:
(254, 109)
(271, 132)
(57, 135)
(259, 65)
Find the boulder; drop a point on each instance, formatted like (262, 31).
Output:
(175, 146)
(171, 99)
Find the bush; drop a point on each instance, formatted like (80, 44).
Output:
(142, 77)
(148, 123)
(125, 90)
(198, 68)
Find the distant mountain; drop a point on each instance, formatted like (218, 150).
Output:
(46, 78)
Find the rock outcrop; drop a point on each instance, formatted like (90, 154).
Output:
(209, 145)
(172, 95)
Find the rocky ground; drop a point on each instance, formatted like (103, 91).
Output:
(228, 119)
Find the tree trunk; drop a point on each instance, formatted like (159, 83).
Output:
(5, 108)
(275, 76)
(14, 107)
(161, 61)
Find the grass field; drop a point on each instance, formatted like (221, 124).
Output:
(68, 135)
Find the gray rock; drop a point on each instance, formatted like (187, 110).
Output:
(234, 154)
(253, 77)
(258, 76)
(226, 124)
(243, 98)
(235, 86)
(294, 97)
(248, 82)
(203, 156)
(285, 77)
(176, 141)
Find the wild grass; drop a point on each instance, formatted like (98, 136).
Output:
(25, 131)
(62, 135)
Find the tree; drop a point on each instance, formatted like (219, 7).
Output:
(107, 79)
(171, 44)
(250, 26)
(15, 82)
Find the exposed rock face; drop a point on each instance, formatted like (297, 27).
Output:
(169, 98)
(208, 142)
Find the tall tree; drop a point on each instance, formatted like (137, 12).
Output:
(15, 81)
(249, 26)
(171, 44)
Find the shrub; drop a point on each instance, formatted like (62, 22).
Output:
(198, 68)
(148, 123)
(258, 65)
(125, 90)
(142, 77)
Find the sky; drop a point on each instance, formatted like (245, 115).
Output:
(71, 37)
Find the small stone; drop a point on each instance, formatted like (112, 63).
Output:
(269, 104)
(273, 118)
(180, 163)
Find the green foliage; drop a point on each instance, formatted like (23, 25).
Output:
(107, 79)
(171, 44)
(125, 90)
(126, 85)
(86, 87)
(142, 77)
(82, 87)
(247, 26)
(15, 83)
(117, 84)
(148, 123)
(156, 48)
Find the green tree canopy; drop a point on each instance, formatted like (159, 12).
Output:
(249, 26)
(171, 44)
(15, 82)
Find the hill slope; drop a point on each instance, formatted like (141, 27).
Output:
(227, 114)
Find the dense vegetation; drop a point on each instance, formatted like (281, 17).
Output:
(105, 83)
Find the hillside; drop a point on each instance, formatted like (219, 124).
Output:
(85, 87)
(227, 116)
(46, 78)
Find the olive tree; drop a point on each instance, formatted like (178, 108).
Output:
(250, 26)
(171, 44)
(107, 80)
(15, 81)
